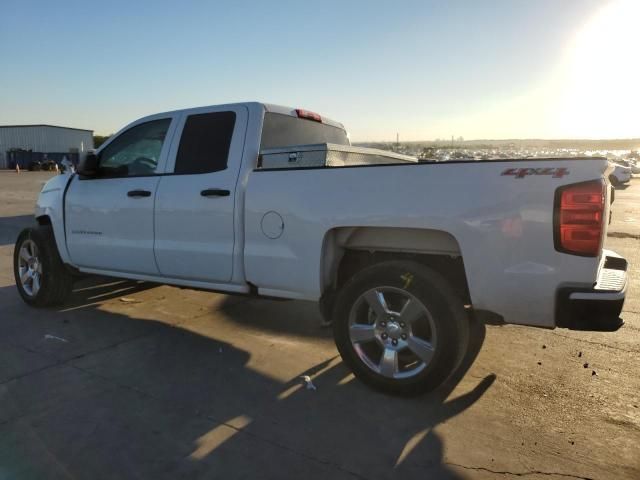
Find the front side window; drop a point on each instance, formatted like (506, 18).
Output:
(135, 151)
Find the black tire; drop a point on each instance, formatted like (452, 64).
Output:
(614, 181)
(55, 281)
(434, 292)
(326, 306)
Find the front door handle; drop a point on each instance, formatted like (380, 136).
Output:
(215, 192)
(139, 193)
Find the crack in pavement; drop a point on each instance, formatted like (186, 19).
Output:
(13, 419)
(519, 474)
(68, 361)
(58, 362)
(291, 450)
(595, 343)
(634, 236)
(632, 327)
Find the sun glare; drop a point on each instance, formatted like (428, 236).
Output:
(601, 97)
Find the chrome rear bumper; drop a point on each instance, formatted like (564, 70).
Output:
(612, 280)
(596, 308)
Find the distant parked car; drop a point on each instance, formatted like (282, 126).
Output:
(49, 165)
(620, 174)
(632, 163)
(34, 166)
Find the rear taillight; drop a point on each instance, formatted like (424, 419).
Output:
(308, 115)
(579, 218)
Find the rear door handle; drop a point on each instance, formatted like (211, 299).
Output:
(139, 193)
(215, 192)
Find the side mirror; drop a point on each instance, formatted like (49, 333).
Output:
(89, 166)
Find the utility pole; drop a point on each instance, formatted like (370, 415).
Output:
(451, 141)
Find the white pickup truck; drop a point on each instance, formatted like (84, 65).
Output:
(265, 200)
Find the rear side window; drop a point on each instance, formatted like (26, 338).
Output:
(205, 142)
(284, 130)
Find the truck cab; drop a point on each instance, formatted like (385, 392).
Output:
(164, 196)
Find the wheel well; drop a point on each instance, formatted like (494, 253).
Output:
(347, 250)
(43, 220)
(450, 267)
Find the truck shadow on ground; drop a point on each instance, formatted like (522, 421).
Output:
(10, 228)
(114, 395)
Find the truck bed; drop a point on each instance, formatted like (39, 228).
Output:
(498, 213)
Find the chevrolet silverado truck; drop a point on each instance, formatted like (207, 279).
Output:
(265, 200)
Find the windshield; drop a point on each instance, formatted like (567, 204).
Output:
(284, 130)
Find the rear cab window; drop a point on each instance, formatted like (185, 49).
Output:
(280, 130)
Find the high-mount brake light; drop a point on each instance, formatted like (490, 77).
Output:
(579, 218)
(308, 115)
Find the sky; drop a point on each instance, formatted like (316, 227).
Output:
(424, 69)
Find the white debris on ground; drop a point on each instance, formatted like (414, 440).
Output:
(53, 337)
(308, 383)
(129, 300)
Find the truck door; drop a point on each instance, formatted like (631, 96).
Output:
(194, 213)
(109, 218)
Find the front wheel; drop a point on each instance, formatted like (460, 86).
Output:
(40, 275)
(400, 327)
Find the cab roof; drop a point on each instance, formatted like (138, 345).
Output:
(267, 107)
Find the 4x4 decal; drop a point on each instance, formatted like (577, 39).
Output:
(523, 172)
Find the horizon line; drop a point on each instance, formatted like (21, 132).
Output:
(629, 139)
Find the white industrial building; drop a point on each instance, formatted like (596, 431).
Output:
(21, 143)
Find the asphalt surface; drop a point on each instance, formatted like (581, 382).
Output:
(132, 380)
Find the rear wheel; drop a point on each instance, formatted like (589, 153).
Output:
(400, 327)
(40, 275)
